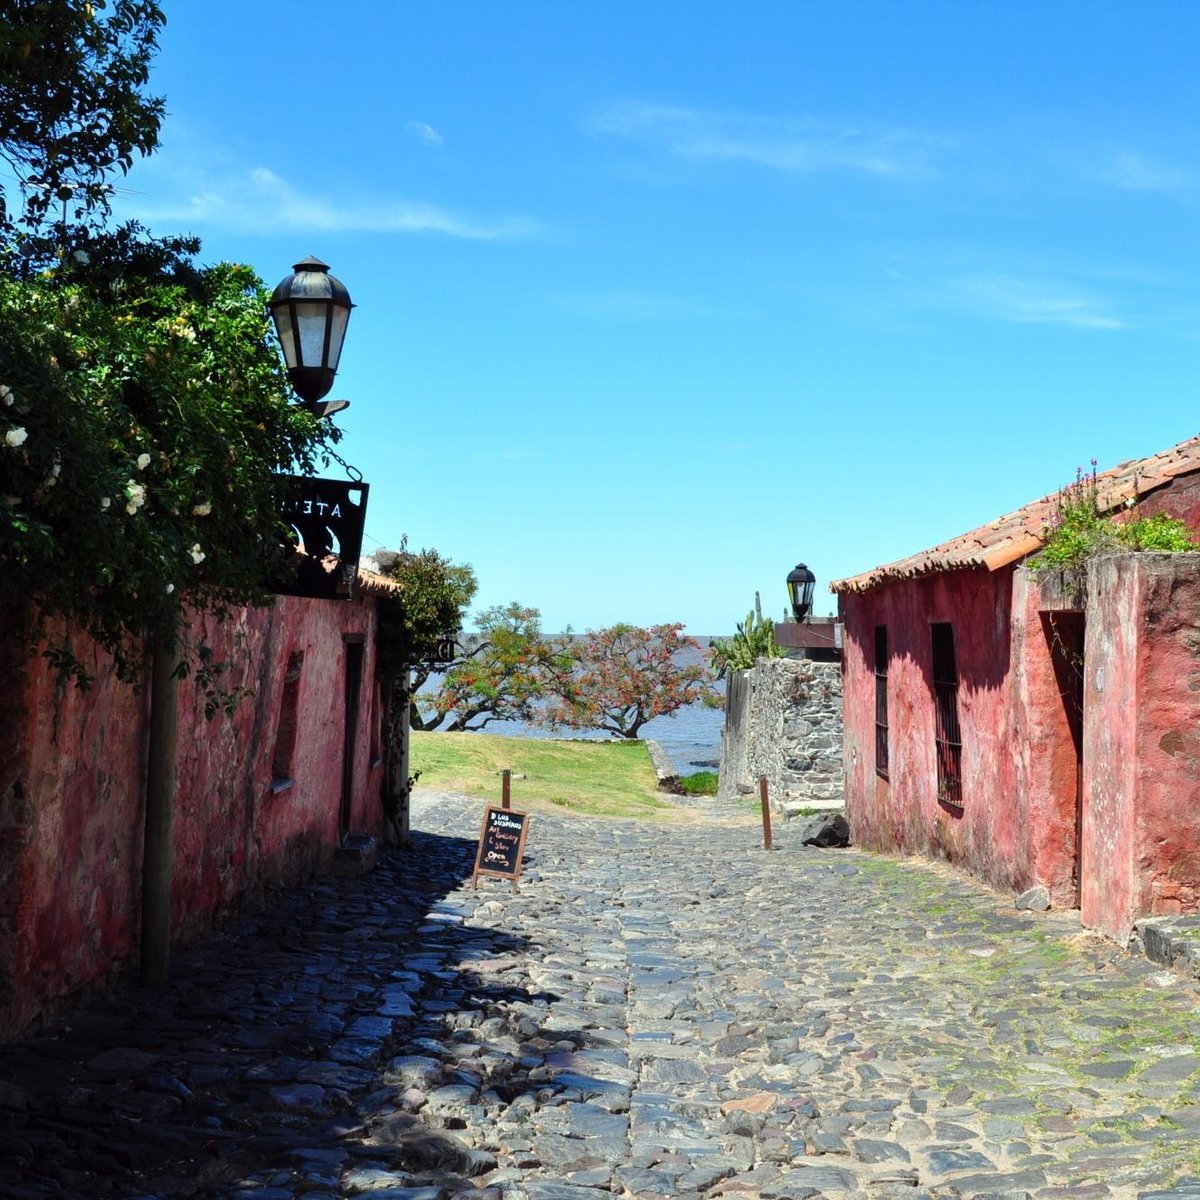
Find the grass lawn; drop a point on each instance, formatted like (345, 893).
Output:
(610, 779)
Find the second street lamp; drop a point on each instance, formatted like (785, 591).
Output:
(311, 309)
(800, 583)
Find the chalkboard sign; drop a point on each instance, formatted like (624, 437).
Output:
(501, 845)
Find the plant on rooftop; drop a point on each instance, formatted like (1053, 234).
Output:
(1080, 531)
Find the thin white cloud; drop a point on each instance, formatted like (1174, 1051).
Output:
(424, 133)
(1037, 302)
(1133, 172)
(801, 145)
(260, 201)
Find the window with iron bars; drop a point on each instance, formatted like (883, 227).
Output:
(881, 703)
(947, 736)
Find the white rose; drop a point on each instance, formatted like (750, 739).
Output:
(201, 510)
(170, 588)
(15, 437)
(136, 495)
(105, 501)
(197, 554)
(6, 395)
(143, 461)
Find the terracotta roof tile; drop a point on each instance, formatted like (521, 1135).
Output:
(1011, 537)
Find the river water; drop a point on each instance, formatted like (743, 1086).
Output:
(691, 738)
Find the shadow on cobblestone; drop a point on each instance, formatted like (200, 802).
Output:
(276, 1041)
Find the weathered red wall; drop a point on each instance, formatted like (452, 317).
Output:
(1121, 841)
(1039, 738)
(1110, 748)
(72, 782)
(903, 814)
(1141, 827)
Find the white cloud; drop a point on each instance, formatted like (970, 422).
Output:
(424, 133)
(802, 145)
(1037, 302)
(1133, 172)
(257, 200)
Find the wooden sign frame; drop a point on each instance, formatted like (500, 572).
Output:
(497, 829)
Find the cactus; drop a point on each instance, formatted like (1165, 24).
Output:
(754, 639)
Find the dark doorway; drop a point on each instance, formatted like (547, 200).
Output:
(1065, 637)
(354, 666)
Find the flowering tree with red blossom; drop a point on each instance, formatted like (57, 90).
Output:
(624, 676)
(501, 675)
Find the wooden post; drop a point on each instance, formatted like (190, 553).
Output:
(766, 811)
(158, 848)
(506, 789)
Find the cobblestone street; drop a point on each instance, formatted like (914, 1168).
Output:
(661, 1010)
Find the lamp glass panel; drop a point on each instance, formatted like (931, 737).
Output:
(282, 314)
(337, 334)
(310, 316)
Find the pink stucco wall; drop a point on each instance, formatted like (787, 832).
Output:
(1102, 808)
(1141, 826)
(902, 814)
(72, 779)
(1018, 825)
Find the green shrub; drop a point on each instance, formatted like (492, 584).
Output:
(754, 639)
(1080, 530)
(701, 783)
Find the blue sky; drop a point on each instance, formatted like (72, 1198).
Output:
(657, 299)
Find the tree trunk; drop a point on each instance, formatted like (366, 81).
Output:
(396, 764)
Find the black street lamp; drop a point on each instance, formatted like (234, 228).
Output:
(311, 309)
(800, 583)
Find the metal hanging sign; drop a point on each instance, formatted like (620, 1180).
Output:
(327, 518)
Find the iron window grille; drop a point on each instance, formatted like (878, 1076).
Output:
(947, 735)
(881, 705)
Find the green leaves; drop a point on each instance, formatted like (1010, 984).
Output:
(754, 639)
(72, 108)
(503, 675)
(624, 676)
(1081, 530)
(153, 419)
(428, 607)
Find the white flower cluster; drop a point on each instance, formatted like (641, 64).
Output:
(196, 553)
(135, 495)
(16, 436)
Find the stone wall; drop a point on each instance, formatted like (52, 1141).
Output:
(784, 720)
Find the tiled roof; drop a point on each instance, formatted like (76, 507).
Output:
(372, 582)
(1009, 538)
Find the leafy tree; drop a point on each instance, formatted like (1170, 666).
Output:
(754, 639)
(626, 675)
(73, 106)
(143, 411)
(501, 677)
(425, 608)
